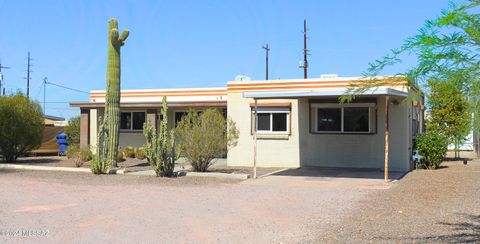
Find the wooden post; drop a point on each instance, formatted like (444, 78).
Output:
(255, 141)
(386, 137)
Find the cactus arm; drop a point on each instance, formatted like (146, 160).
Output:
(123, 36)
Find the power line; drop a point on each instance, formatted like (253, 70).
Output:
(65, 87)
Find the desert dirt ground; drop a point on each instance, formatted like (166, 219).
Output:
(424, 206)
(134, 164)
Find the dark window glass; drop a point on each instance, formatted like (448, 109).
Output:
(125, 121)
(138, 120)
(279, 122)
(329, 119)
(263, 122)
(179, 116)
(355, 119)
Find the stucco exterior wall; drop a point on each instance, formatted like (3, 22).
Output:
(356, 150)
(270, 152)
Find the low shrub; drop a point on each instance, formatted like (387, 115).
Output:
(140, 153)
(72, 150)
(129, 152)
(85, 154)
(78, 162)
(79, 155)
(203, 137)
(432, 146)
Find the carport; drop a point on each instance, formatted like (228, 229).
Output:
(378, 104)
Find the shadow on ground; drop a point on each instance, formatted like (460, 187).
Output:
(466, 231)
(339, 173)
(34, 160)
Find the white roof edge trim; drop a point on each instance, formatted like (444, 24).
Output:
(168, 89)
(320, 93)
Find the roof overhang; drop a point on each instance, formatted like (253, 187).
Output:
(323, 93)
(151, 104)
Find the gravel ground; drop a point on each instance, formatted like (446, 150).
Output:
(440, 206)
(83, 208)
(426, 206)
(133, 165)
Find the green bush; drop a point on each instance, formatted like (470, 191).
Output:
(129, 152)
(140, 153)
(432, 146)
(73, 131)
(21, 126)
(85, 154)
(73, 150)
(205, 136)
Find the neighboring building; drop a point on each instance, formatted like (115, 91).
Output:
(53, 126)
(300, 122)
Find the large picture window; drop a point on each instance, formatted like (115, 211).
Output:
(348, 118)
(273, 120)
(132, 120)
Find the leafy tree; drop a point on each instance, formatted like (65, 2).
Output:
(21, 126)
(73, 131)
(449, 113)
(447, 49)
(205, 136)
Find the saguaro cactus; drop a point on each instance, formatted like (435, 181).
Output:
(108, 133)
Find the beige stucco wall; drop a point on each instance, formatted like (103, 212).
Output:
(270, 152)
(303, 148)
(356, 150)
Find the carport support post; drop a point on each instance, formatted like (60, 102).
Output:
(386, 137)
(255, 141)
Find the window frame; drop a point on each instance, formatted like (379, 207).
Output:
(271, 111)
(371, 113)
(183, 111)
(131, 116)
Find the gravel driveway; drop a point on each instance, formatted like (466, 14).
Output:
(425, 206)
(75, 207)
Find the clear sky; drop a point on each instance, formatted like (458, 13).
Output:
(177, 44)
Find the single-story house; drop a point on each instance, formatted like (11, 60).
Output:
(300, 122)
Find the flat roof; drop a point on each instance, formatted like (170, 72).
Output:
(322, 93)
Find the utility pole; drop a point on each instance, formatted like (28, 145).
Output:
(2, 84)
(266, 60)
(44, 92)
(28, 74)
(305, 50)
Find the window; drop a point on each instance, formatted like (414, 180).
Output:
(272, 120)
(356, 119)
(179, 115)
(132, 120)
(329, 119)
(348, 118)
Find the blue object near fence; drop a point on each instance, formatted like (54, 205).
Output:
(62, 142)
